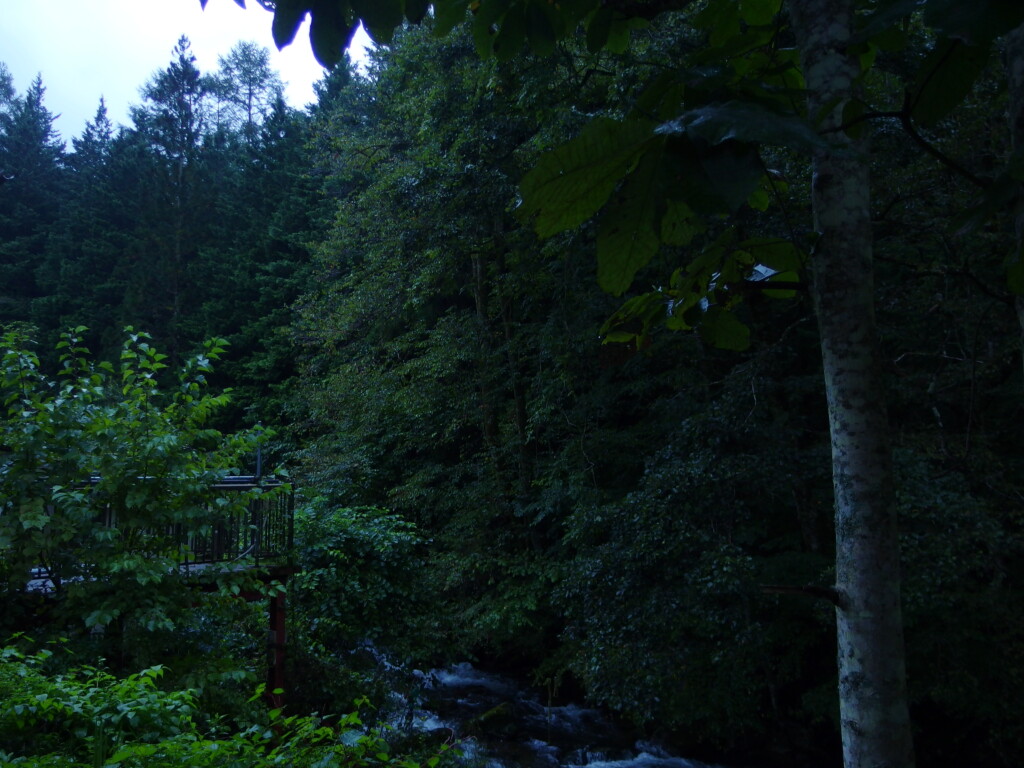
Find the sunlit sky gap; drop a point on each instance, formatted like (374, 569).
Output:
(111, 48)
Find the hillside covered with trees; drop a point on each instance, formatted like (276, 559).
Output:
(654, 354)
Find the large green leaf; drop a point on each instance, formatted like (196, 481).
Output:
(635, 319)
(976, 22)
(758, 11)
(599, 26)
(544, 28)
(783, 293)
(885, 18)
(733, 172)
(380, 17)
(330, 31)
(288, 16)
(626, 239)
(618, 35)
(780, 255)
(571, 182)
(721, 18)
(511, 33)
(1015, 273)
(485, 17)
(744, 121)
(721, 328)
(416, 10)
(711, 180)
(679, 223)
(944, 79)
(448, 14)
(662, 98)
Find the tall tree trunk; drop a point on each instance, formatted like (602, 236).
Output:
(1015, 88)
(875, 722)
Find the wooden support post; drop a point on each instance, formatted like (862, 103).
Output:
(276, 649)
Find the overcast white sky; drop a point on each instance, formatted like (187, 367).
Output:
(85, 49)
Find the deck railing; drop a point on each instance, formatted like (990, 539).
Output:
(260, 533)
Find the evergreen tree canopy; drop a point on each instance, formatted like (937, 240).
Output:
(32, 155)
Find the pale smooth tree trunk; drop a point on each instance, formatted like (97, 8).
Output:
(875, 722)
(1015, 88)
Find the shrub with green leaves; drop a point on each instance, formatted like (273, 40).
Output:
(84, 710)
(103, 470)
(88, 717)
(361, 590)
(359, 569)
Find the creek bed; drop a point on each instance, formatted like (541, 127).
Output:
(502, 725)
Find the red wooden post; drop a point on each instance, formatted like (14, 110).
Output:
(276, 649)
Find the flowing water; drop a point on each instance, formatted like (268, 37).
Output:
(500, 725)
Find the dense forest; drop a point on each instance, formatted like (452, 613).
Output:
(537, 337)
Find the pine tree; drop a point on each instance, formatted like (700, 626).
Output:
(31, 156)
(6, 96)
(248, 87)
(80, 273)
(179, 180)
(7, 91)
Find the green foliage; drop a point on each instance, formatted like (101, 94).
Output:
(666, 619)
(86, 710)
(31, 152)
(88, 717)
(192, 221)
(946, 76)
(360, 577)
(960, 552)
(360, 596)
(615, 515)
(571, 183)
(429, 326)
(334, 23)
(978, 23)
(104, 472)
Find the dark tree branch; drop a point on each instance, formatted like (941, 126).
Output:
(831, 594)
(904, 115)
(863, 119)
(908, 125)
(908, 107)
(769, 285)
(943, 158)
(1003, 298)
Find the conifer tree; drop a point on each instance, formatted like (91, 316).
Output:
(80, 274)
(180, 180)
(31, 156)
(248, 87)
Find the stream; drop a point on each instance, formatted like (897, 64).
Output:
(501, 725)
